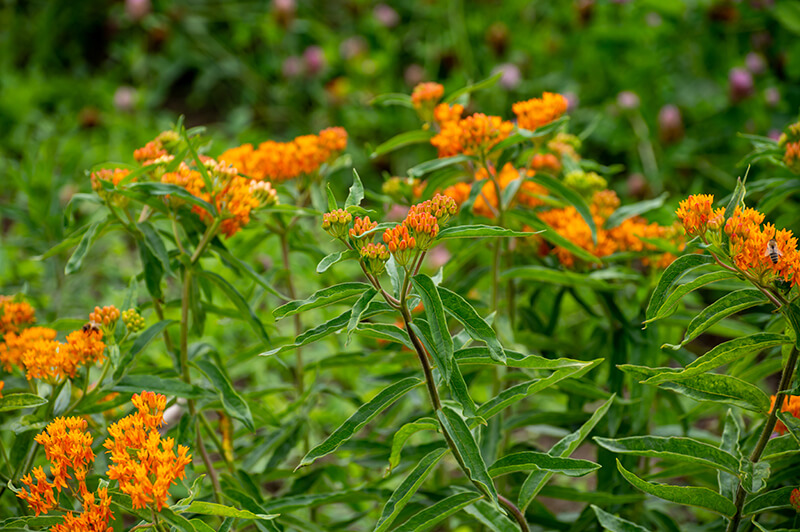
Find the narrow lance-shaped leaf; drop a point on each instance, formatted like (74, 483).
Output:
(555, 277)
(476, 327)
(725, 306)
(673, 272)
(403, 434)
(211, 508)
(468, 452)
(437, 164)
(722, 354)
(671, 303)
(483, 84)
(385, 331)
(18, 401)
(435, 514)
(551, 235)
(673, 448)
(573, 198)
(407, 489)
(479, 231)
(75, 261)
(482, 356)
(614, 523)
(565, 447)
(406, 138)
(141, 342)
(321, 298)
(233, 403)
(361, 417)
(536, 461)
(332, 205)
(687, 495)
(335, 257)
(634, 209)
(239, 301)
(156, 245)
(440, 334)
(358, 309)
(729, 443)
(166, 386)
(777, 499)
(356, 192)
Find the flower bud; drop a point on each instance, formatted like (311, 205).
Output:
(374, 257)
(337, 222)
(133, 321)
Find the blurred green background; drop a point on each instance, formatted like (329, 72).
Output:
(662, 86)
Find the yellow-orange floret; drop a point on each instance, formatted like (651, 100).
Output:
(94, 518)
(545, 162)
(538, 112)
(361, 226)
(144, 463)
(794, 499)
(374, 257)
(424, 228)
(112, 175)
(791, 405)
(444, 113)
(68, 447)
(400, 243)
(39, 496)
(427, 93)
(440, 206)
(473, 135)
(791, 156)
(14, 315)
(698, 215)
(106, 316)
(337, 222)
(15, 345)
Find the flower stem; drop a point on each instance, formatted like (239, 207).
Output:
(299, 372)
(766, 432)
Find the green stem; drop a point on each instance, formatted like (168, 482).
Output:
(515, 513)
(299, 376)
(766, 432)
(210, 233)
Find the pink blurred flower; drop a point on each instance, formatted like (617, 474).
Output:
(627, 100)
(125, 98)
(386, 15)
(740, 84)
(137, 9)
(510, 76)
(314, 59)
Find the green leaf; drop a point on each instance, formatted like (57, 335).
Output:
(671, 303)
(687, 495)
(615, 524)
(767, 502)
(673, 448)
(634, 209)
(385, 331)
(720, 355)
(737, 198)
(239, 301)
(408, 488)
(312, 335)
(481, 355)
(483, 84)
(725, 306)
(145, 189)
(713, 387)
(552, 236)
(358, 309)
(333, 258)
(536, 461)
(468, 453)
(361, 417)
(75, 261)
(356, 194)
(520, 391)
(169, 387)
(18, 401)
(565, 447)
(155, 244)
(403, 139)
(403, 434)
(321, 298)
(392, 98)
(570, 196)
(241, 267)
(233, 403)
(492, 517)
(435, 514)
(557, 277)
(200, 526)
(440, 334)
(332, 204)
(141, 342)
(437, 164)
(731, 433)
(476, 327)
(478, 231)
(211, 508)
(792, 314)
(667, 280)
(309, 500)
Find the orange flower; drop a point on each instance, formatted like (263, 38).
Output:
(94, 518)
(697, 214)
(361, 226)
(16, 345)
(2, 385)
(281, 161)
(538, 112)
(106, 317)
(792, 156)
(112, 175)
(14, 314)
(426, 93)
(41, 497)
(794, 499)
(791, 404)
(545, 161)
(375, 257)
(472, 135)
(400, 243)
(486, 202)
(763, 250)
(445, 113)
(144, 463)
(68, 447)
(148, 153)
(424, 228)
(442, 207)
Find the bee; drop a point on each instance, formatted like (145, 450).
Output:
(772, 251)
(91, 326)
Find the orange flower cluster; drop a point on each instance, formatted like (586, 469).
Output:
(14, 314)
(400, 243)
(791, 404)
(69, 449)
(112, 175)
(791, 156)
(105, 317)
(486, 203)
(762, 249)
(794, 499)
(426, 93)
(419, 229)
(95, 515)
(697, 214)
(144, 463)
(538, 112)
(473, 135)
(625, 237)
(361, 226)
(157, 150)
(440, 206)
(281, 161)
(337, 222)
(36, 351)
(545, 161)
(445, 113)
(374, 257)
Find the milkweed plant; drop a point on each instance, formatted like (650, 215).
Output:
(493, 340)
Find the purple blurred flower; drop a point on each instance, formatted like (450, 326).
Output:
(572, 100)
(627, 100)
(413, 75)
(755, 63)
(352, 47)
(772, 96)
(125, 98)
(670, 123)
(386, 15)
(774, 134)
(314, 59)
(740, 83)
(137, 9)
(510, 76)
(292, 67)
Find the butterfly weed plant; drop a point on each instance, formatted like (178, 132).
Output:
(467, 341)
